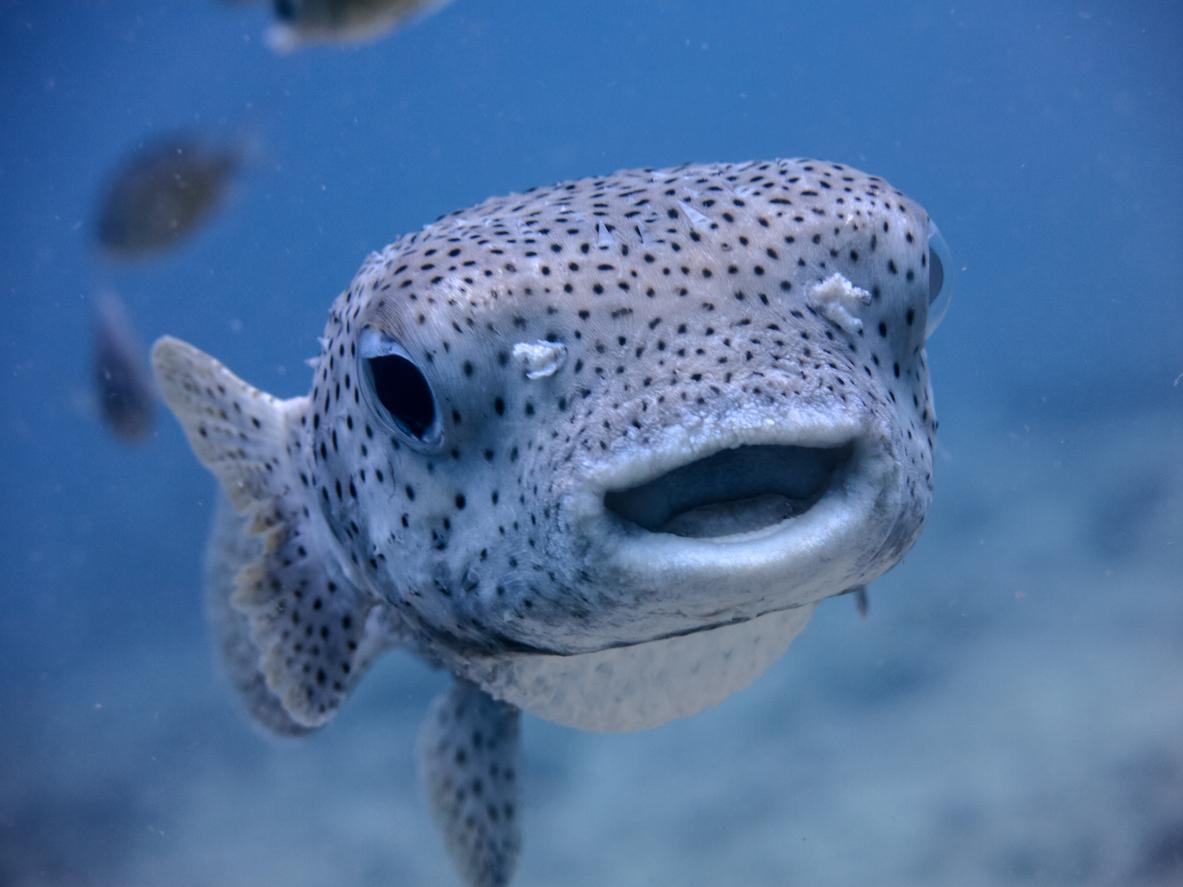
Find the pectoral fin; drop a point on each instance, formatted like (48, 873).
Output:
(304, 617)
(230, 547)
(468, 749)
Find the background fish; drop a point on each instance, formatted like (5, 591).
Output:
(303, 22)
(597, 449)
(163, 193)
(123, 387)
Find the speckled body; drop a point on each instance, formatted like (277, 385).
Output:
(597, 449)
(681, 296)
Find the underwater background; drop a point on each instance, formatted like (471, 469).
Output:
(1012, 710)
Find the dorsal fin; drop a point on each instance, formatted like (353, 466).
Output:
(306, 618)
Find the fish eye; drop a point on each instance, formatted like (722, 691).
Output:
(941, 279)
(399, 387)
(286, 10)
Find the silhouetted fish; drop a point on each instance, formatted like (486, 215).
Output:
(162, 193)
(126, 397)
(303, 22)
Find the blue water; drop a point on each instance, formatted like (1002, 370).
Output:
(1013, 710)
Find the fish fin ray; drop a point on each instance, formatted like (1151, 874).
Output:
(230, 547)
(236, 431)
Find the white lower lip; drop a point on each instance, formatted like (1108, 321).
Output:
(765, 544)
(803, 557)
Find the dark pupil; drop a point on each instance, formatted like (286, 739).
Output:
(404, 392)
(936, 277)
(285, 9)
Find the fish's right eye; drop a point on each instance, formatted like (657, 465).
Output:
(286, 10)
(940, 279)
(400, 389)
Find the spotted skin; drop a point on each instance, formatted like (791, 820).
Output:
(663, 311)
(489, 383)
(468, 748)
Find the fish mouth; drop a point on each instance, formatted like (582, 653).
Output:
(723, 521)
(733, 492)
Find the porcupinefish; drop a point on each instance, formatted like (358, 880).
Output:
(596, 449)
(125, 394)
(163, 193)
(305, 22)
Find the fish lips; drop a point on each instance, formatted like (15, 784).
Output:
(724, 522)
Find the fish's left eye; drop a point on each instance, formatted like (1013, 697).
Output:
(398, 385)
(941, 279)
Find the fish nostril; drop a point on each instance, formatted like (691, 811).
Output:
(732, 491)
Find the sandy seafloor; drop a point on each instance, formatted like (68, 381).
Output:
(981, 727)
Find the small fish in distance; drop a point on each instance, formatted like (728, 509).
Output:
(300, 23)
(123, 387)
(162, 193)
